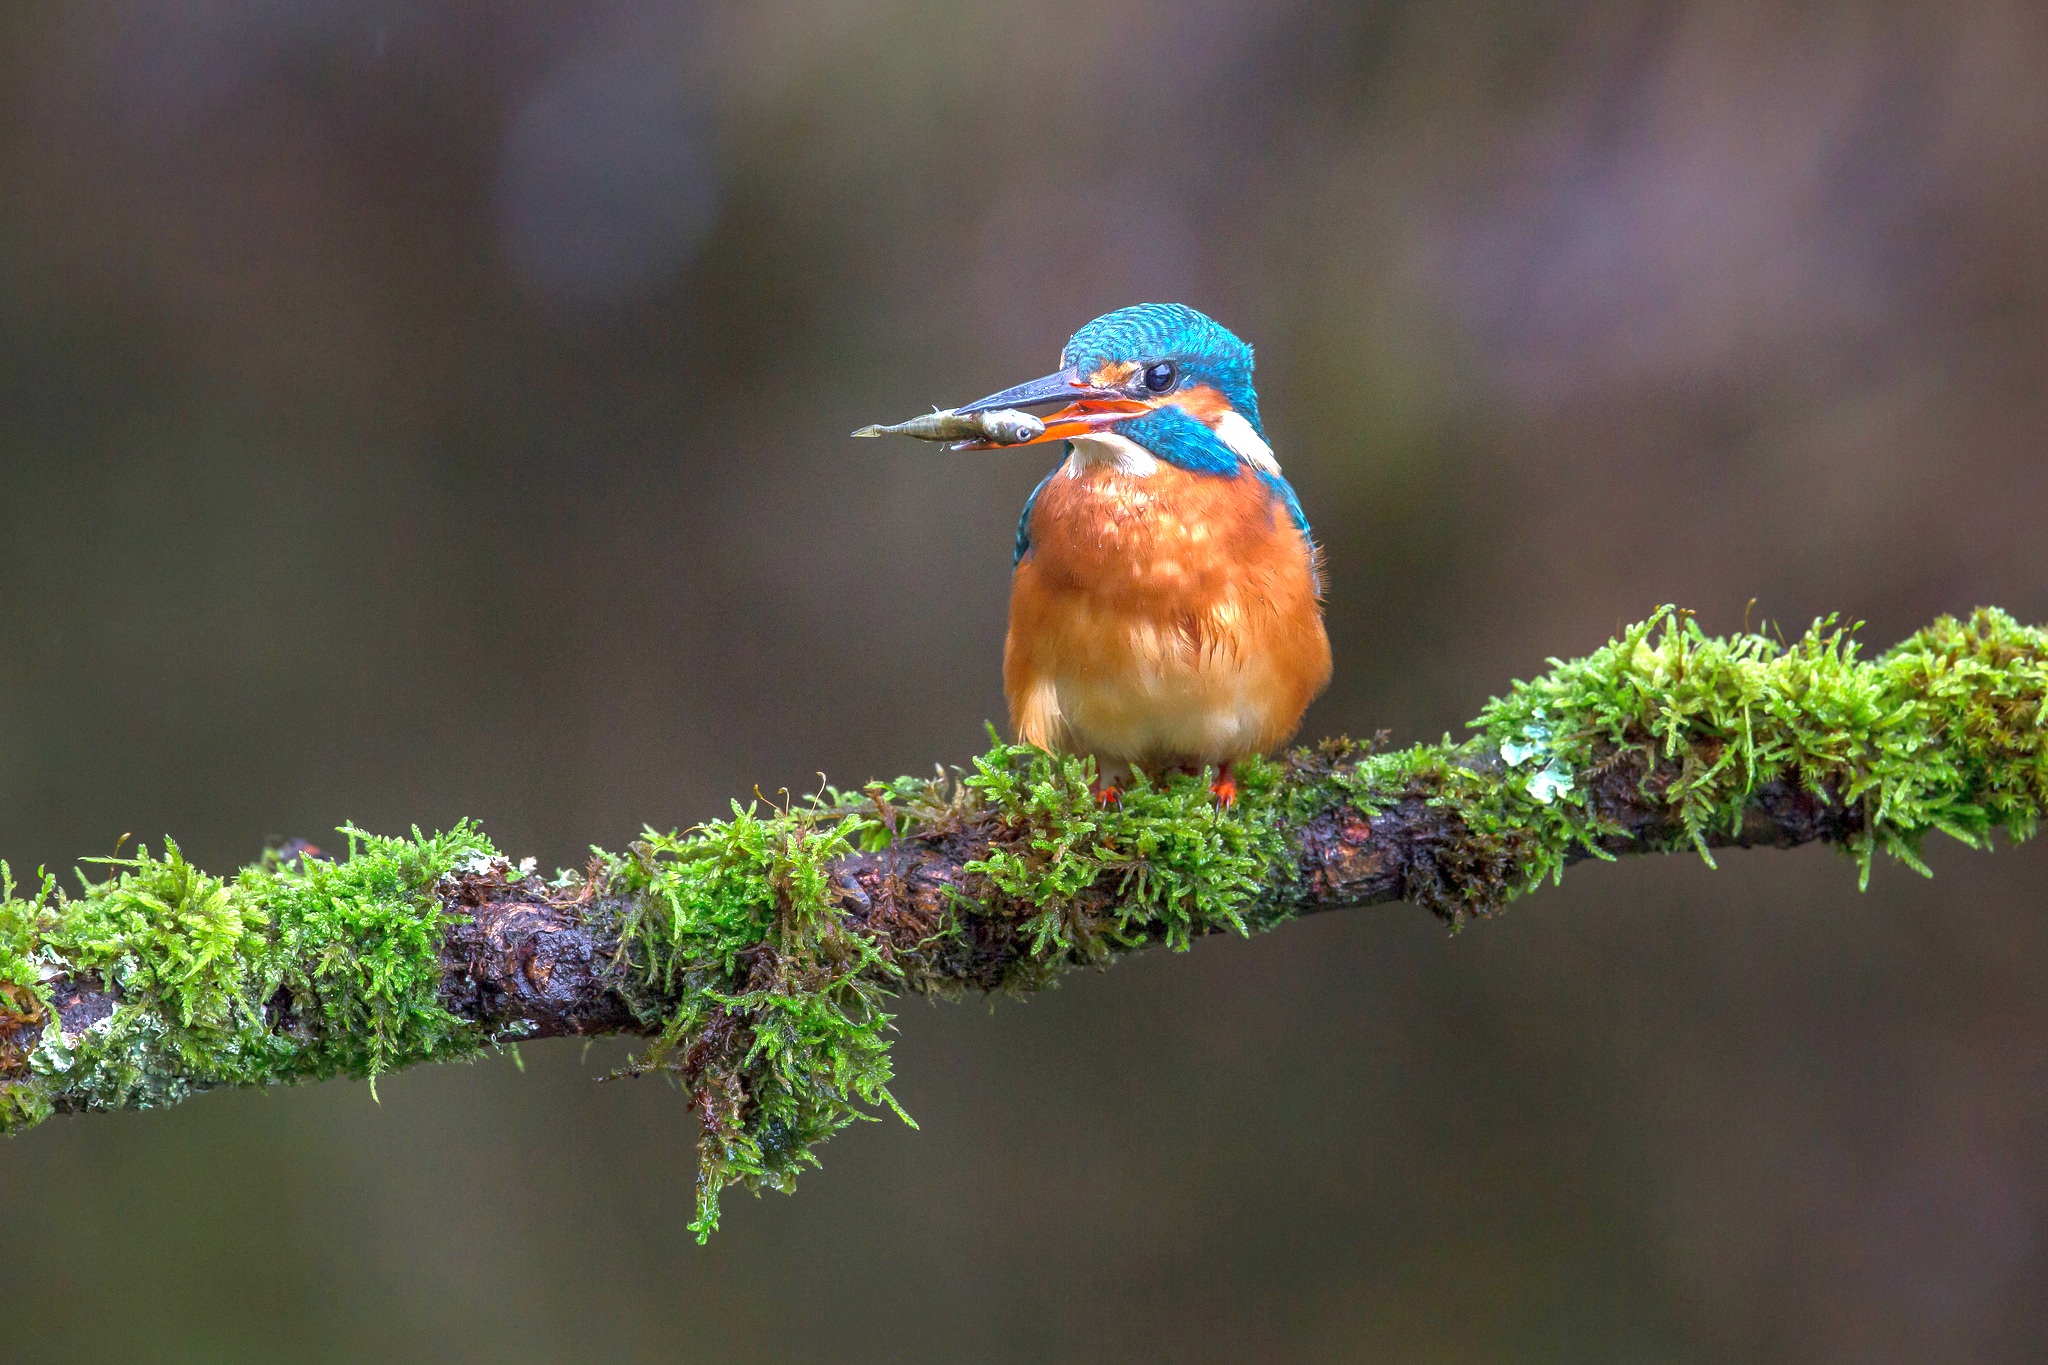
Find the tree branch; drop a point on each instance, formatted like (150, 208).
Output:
(755, 953)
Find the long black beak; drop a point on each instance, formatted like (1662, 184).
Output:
(1065, 387)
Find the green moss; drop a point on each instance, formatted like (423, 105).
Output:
(1942, 733)
(21, 918)
(765, 999)
(161, 929)
(769, 1005)
(1968, 755)
(358, 945)
(1090, 880)
(288, 972)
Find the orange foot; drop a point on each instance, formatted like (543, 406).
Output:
(1224, 789)
(1111, 795)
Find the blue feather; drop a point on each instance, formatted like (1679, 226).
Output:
(1176, 436)
(1179, 437)
(1286, 493)
(1031, 505)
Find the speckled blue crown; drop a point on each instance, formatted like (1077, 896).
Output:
(1207, 350)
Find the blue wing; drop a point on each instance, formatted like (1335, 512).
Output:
(1030, 505)
(1285, 492)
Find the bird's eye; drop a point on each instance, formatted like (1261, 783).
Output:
(1160, 377)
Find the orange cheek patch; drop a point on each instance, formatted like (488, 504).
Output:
(1203, 403)
(1114, 375)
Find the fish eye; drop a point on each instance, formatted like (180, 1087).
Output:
(1159, 378)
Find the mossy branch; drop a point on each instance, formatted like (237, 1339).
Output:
(756, 954)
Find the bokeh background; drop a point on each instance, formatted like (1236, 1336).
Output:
(420, 410)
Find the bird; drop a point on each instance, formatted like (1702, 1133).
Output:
(1166, 595)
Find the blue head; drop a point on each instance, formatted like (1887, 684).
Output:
(1174, 380)
(1168, 355)
(1166, 377)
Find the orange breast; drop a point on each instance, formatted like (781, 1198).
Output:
(1164, 618)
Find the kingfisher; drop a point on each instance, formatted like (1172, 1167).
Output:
(1166, 598)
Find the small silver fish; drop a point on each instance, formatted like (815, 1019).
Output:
(1003, 427)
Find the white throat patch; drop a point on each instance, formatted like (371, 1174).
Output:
(1121, 452)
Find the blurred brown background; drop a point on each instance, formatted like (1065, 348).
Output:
(410, 411)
